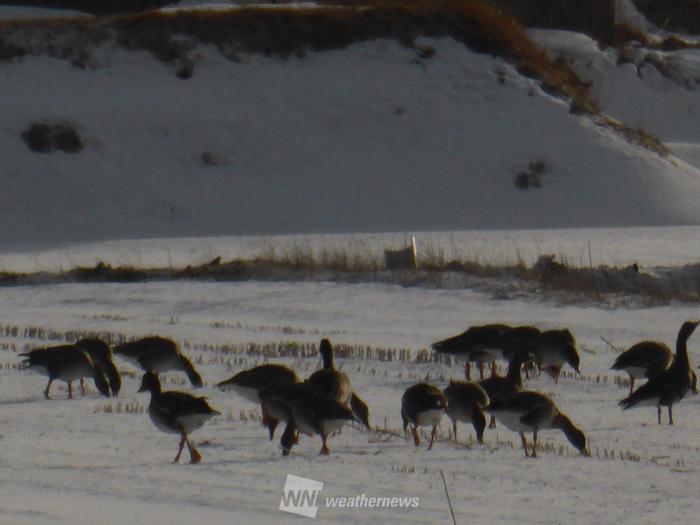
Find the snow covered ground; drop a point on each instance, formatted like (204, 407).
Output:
(68, 461)
(373, 138)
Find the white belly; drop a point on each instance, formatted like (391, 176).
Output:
(429, 418)
(637, 372)
(251, 394)
(193, 421)
(332, 425)
(511, 420)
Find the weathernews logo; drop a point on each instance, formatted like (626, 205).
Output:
(301, 496)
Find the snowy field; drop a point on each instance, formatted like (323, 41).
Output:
(70, 460)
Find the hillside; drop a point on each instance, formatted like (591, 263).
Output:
(397, 124)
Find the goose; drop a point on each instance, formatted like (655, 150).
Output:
(479, 344)
(466, 403)
(502, 387)
(519, 338)
(422, 405)
(278, 400)
(176, 413)
(68, 363)
(101, 355)
(336, 384)
(644, 360)
(313, 413)
(249, 383)
(159, 355)
(671, 385)
(553, 350)
(531, 412)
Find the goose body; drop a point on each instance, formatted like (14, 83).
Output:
(671, 385)
(315, 413)
(159, 355)
(643, 360)
(249, 383)
(336, 384)
(423, 405)
(67, 363)
(502, 387)
(466, 403)
(478, 344)
(176, 413)
(525, 412)
(554, 349)
(102, 357)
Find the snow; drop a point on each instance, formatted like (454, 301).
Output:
(63, 460)
(366, 139)
(382, 140)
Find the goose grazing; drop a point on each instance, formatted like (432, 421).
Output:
(336, 384)
(644, 360)
(466, 403)
(101, 356)
(176, 413)
(479, 344)
(249, 383)
(671, 385)
(422, 405)
(521, 338)
(68, 363)
(159, 355)
(532, 412)
(502, 387)
(277, 401)
(314, 413)
(554, 349)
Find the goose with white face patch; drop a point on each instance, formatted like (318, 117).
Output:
(526, 412)
(646, 359)
(422, 405)
(176, 413)
(68, 363)
(671, 385)
(159, 355)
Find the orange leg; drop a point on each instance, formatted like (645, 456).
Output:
(179, 450)
(416, 439)
(432, 436)
(195, 456)
(454, 429)
(468, 371)
(492, 423)
(524, 441)
(46, 392)
(324, 449)
(534, 445)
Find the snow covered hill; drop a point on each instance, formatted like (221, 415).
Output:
(374, 136)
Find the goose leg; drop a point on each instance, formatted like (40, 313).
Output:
(524, 441)
(414, 432)
(82, 387)
(493, 369)
(179, 450)
(46, 392)
(492, 423)
(468, 371)
(658, 411)
(479, 422)
(432, 437)
(481, 370)
(324, 449)
(670, 414)
(534, 444)
(195, 456)
(454, 429)
(631, 385)
(70, 390)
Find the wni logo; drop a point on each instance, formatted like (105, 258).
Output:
(301, 496)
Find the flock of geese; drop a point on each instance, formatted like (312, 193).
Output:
(322, 403)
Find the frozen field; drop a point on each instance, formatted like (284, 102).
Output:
(72, 460)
